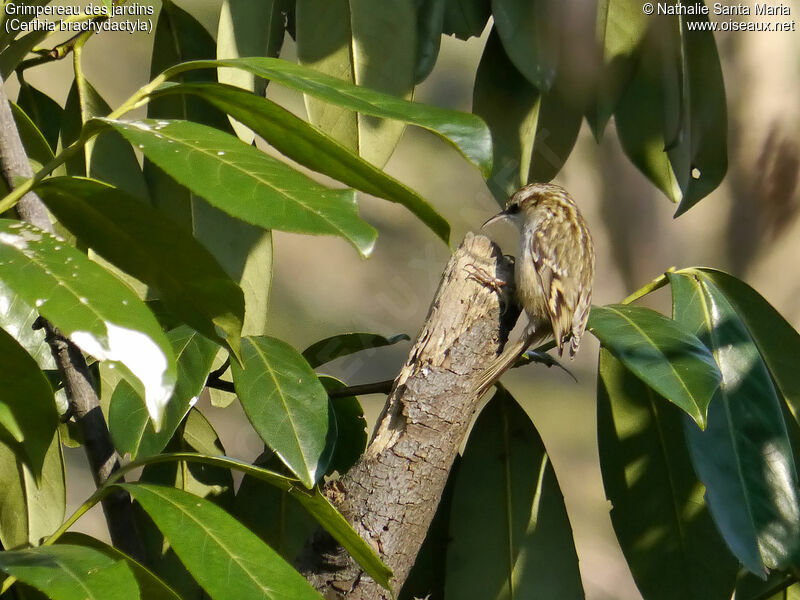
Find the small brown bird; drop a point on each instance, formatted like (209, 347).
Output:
(553, 271)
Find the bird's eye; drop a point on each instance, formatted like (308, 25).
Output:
(513, 209)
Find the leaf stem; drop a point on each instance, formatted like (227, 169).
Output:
(654, 285)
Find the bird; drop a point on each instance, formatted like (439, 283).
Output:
(554, 272)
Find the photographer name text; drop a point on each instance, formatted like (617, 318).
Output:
(720, 8)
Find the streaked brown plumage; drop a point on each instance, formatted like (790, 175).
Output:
(554, 270)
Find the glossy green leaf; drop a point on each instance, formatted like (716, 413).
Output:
(744, 456)
(43, 110)
(130, 428)
(28, 416)
(150, 586)
(313, 501)
(777, 341)
(31, 507)
(533, 133)
(664, 353)
(661, 520)
(245, 182)
(344, 344)
(430, 20)
(530, 32)
(351, 429)
(308, 146)
(466, 18)
(465, 132)
(226, 558)
(287, 405)
(621, 27)
(71, 573)
(273, 514)
(510, 534)
(364, 43)
(139, 240)
(96, 311)
(17, 318)
(249, 28)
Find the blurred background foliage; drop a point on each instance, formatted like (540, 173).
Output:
(747, 226)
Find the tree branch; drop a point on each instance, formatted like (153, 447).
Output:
(423, 423)
(103, 458)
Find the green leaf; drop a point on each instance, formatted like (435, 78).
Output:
(351, 429)
(680, 141)
(750, 587)
(510, 534)
(430, 20)
(90, 306)
(8, 33)
(139, 240)
(43, 110)
(17, 318)
(465, 132)
(621, 27)
(313, 501)
(287, 405)
(245, 182)
(744, 456)
(466, 18)
(533, 133)
(273, 514)
(150, 586)
(306, 145)
(226, 558)
(15, 53)
(663, 353)
(661, 520)
(363, 43)
(130, 428)
(28, 416)
(777, 341)
(529, 30)
(344, 344)
(31, 507)
(249, 28)
(71, 573)
(107, 157)
(36, 147)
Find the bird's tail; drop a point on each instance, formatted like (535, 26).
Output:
(508, 357)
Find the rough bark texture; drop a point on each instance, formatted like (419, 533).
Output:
(103, 458)
(391, 495)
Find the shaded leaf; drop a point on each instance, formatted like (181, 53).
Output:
(245, 182)
(28, 416)
(71, 573)
(430, 20)
(86, 303)
(226, 558)
(663, 353)
(287, 405)
(139, 240)
(363, 43)
(43, 110)
(17, 318)
(465, 132)
(529, 30)
(36, 147)
(511, 537)
(744, 457)
(351, 429)
(661, 520)
(466, 18)
(303, 143)
(31, 507)
(343, 344)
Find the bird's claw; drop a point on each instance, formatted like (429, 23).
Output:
(543, 358)
(483, 277)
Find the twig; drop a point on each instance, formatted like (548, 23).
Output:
(103, 459)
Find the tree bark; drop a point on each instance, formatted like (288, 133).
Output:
(390, 496)
(103, 458)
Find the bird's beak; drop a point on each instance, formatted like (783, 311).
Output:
(496, 219)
